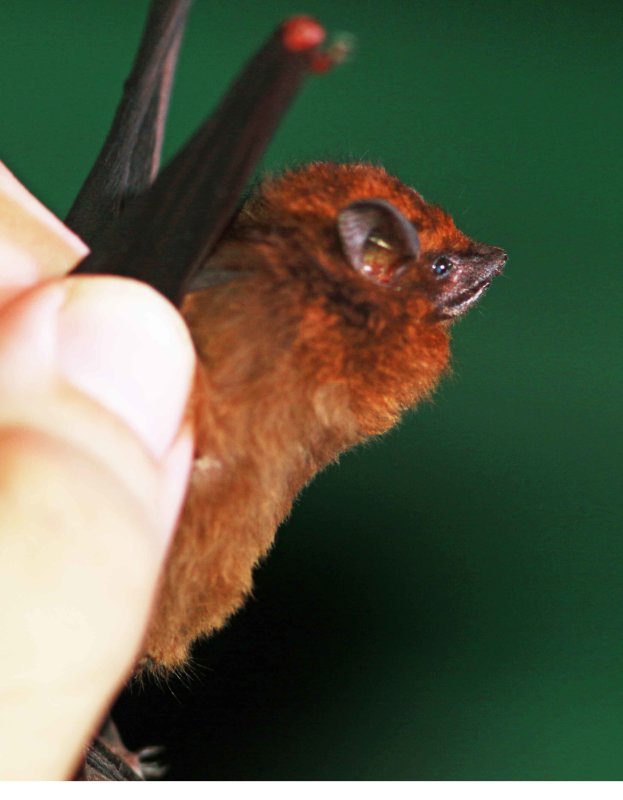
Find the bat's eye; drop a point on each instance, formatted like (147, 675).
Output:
(441, 266)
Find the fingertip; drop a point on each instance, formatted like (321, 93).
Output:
(34, 243)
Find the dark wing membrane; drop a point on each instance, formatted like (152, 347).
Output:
(130, 157)
(165, 234)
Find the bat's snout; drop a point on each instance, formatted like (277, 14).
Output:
(488, 261)
(471, 277)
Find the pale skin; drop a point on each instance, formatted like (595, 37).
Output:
(95, 374)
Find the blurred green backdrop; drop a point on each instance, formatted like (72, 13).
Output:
(447, 603)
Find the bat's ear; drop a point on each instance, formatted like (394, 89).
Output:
(378, 241)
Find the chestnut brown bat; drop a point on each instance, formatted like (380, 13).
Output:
(339, 284)
(320, 311)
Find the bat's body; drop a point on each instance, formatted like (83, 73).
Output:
(326, 322)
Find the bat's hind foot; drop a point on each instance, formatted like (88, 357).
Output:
(108, 759)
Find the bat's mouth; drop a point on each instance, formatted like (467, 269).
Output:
(461, 303)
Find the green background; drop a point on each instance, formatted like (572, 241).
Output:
(445, 604)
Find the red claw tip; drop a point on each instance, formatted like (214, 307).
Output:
(301, 33)
(321, 62)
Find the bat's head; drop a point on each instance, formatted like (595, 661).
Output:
(358, 278)
(366, 228)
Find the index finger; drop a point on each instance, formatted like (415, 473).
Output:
(34, 243)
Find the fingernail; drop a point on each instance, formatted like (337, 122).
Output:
(126, 347)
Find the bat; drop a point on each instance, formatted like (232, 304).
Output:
(332, 321)
(320, 310)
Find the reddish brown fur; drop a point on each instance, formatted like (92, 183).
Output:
(300, 358)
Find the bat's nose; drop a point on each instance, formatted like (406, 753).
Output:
(492, 259)
(501, 257)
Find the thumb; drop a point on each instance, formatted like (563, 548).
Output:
(94, 457)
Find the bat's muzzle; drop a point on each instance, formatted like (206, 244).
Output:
(469, 279)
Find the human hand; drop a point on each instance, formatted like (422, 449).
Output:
(95, 453)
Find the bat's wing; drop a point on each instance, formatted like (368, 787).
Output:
(167, 231)
(130, 157)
